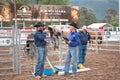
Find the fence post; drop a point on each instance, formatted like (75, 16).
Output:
(16, 49)
(118, 29)
(96, 41)
(60, 49)
(13, 48)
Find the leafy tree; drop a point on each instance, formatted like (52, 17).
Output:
(115, 21)
(107, 18)
(111, 12)
(54, 2)
(86, 16)
(112, 17)
(46, 2)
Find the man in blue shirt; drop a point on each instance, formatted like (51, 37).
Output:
(84, 38)
(73, 42)
(40, 43)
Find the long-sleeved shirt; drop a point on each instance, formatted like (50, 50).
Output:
(84, 37)
(74, 39)
(39, 38)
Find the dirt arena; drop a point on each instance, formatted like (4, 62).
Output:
(104, 65)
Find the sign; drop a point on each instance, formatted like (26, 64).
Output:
(33, 12)
(24, 12)
(5, 12)
(6, 36)
(5, 41)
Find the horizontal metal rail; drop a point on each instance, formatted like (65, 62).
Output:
(6, 54)
(10, 37)
(12, 73)
(4, 51)
(10, 68)
(8, 45)
(9, 61)
(107, 45)
(116, 50)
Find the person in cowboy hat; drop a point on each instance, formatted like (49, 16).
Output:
(73, 42)
(40, 43)
(84, 38)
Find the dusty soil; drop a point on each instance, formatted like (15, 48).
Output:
(104, 65)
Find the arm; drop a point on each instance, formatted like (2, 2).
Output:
(75, 40)
(40, 36)
(89, 37)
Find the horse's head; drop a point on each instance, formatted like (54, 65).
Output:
(53, 32)
(30, 36)
(65, 33)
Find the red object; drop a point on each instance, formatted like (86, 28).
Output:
(101, 28)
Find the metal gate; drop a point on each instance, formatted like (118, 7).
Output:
(9, 42)
(110, 40)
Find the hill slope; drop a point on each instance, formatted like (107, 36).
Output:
(99, 6)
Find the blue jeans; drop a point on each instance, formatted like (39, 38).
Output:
(41, 56)
(71, 54)
(82, 53)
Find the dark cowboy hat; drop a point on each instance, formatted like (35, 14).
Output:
(39, 24)
(73, 24)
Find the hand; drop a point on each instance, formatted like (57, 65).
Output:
(46, 30)
(67, 42)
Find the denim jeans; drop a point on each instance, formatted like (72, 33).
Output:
(71, 54)
(41, 56)
(82, 53)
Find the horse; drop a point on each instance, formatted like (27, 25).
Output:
(95, 36)
(54, 36)
(30, 46)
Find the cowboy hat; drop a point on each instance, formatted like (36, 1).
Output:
(39, 24)
(73, 24)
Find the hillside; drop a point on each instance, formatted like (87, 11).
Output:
(99, 6)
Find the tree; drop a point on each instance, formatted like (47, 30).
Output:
(111, 12)
(86, 16)
(115, 21)
(54, 2)
(46, 2)
(107, 18)
(112, 17)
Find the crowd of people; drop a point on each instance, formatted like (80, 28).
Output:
(77, 46)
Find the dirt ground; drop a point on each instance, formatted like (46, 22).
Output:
(103, 65)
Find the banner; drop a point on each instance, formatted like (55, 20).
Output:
(33, 12)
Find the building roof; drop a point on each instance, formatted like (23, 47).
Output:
(98, 25)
